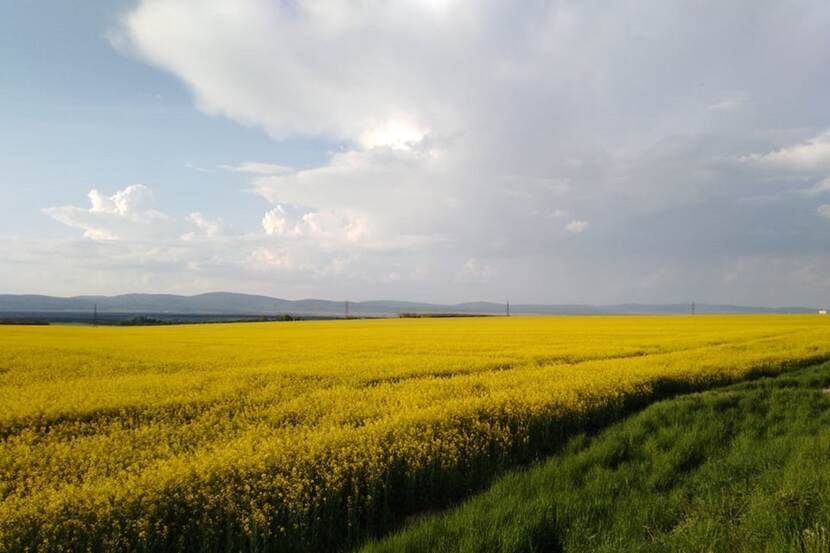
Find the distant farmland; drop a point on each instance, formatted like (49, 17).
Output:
(314, 436)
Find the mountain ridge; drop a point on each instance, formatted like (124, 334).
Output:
(231, 303)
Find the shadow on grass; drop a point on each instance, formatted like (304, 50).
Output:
(431, 493)
(740, 468)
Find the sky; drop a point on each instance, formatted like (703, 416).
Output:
(436, 150)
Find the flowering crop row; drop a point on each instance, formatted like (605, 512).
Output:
(310, 436)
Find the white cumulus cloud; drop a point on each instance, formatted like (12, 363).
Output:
(126, 214)
(204, 226)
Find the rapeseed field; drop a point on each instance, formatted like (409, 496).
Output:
(311, 436)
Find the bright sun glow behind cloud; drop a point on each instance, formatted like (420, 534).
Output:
(399, 133)
(438, 6)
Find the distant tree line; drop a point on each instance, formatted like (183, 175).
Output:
(17, 321)
(437, 315)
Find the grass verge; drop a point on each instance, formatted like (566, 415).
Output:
(743, 468)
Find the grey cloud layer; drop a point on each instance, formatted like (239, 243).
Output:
(567, 151)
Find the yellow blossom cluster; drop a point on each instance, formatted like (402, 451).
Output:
(312, 435)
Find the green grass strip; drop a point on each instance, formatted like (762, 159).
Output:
(743, 468)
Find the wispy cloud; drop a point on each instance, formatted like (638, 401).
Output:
(577, 226)
(728, 103)
(809, 156)
(257, 168)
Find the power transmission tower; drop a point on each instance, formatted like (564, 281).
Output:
(347, 309)
(693, 308)
(507, 311)
(95, 315)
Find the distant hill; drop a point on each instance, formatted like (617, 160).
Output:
(226, 303)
